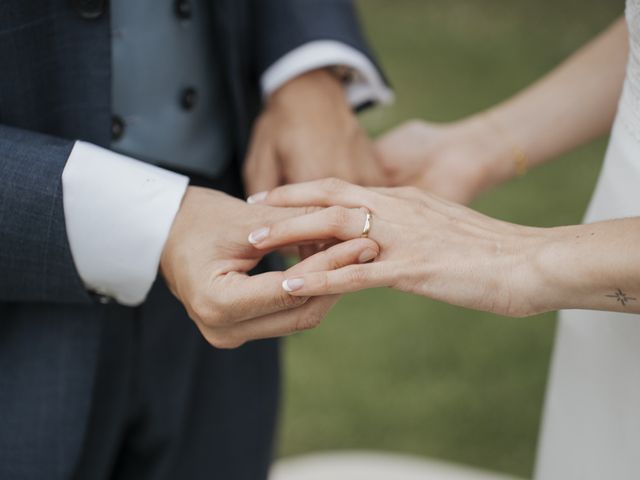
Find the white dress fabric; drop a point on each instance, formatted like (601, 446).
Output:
(591, 427)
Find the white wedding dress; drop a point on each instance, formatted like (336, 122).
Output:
(591, 427)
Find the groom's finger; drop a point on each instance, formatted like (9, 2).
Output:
(360, 250)
(311, 314)
(330, 223)
(236, 297)
(323, 193)
(261, 173)
(261, 169)
(282, 324)
(351, 278)
(276, 213)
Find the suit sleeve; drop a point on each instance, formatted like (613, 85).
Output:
(286, 25)
(76, 218)
(35, 258)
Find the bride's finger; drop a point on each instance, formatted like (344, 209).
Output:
(360, 250)
(331, 223)
(351, 278)
(324, 193)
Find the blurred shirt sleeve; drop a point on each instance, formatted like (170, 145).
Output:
(118, 214)
(364, 83)
(294, 36)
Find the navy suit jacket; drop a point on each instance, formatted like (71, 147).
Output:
(54, 89)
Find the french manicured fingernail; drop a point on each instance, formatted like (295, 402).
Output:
(259, 235)
(367, 255)
(257, 197)
(293, 284)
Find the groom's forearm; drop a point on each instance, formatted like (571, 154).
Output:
(36, 264)
(569, 107)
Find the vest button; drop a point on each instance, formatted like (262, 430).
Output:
(117, 127)
(189, 98)
(183, 9)
(89, 9)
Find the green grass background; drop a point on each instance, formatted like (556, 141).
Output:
(393, 372)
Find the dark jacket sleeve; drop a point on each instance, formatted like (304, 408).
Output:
(35, 258)
(283, 25)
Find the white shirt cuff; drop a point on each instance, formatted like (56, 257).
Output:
(366, 86)
(118, 213)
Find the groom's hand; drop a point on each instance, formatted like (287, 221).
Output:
(205, 263)
(308, 131)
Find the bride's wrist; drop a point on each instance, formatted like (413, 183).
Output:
(492, 156)
(569, 271)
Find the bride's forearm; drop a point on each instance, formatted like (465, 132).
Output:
(450, 253)
(593, 267)
(572, 105)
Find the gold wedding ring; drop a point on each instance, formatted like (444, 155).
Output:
(367, 226)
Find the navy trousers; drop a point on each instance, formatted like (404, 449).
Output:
(168, 405)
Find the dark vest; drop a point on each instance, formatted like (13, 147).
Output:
(168, 101)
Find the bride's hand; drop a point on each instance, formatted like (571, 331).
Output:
(429, 246)
(456, 161)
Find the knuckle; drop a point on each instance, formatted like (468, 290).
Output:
(212, 318)
(225, 341)
(323, 283)
(357, 276)
(308, 321)
(222, 310)
(333, 263)
(211, 312)
(333, 259)
(286, 301)
(309, 209)
(232, 343)
(220, 316)
(200, 309)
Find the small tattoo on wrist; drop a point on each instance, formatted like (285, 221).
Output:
(622, 297)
